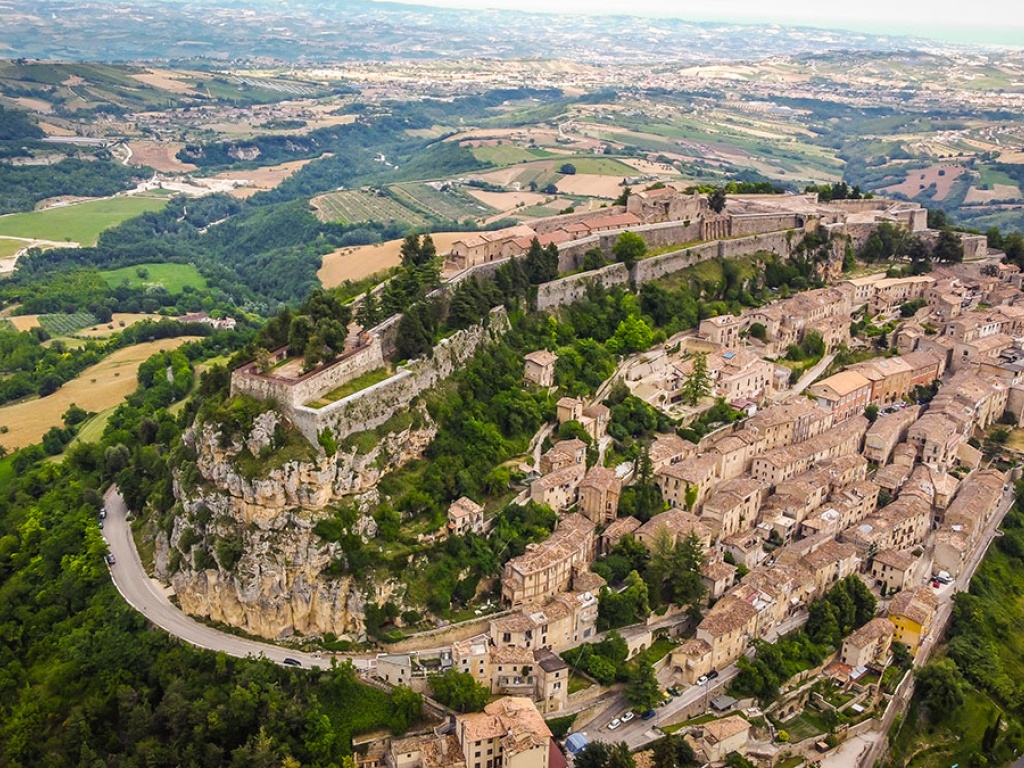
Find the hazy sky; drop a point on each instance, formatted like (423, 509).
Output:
(945, 19)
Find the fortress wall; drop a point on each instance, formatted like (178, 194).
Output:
(568, 290)
(758, 223)
(371, 407)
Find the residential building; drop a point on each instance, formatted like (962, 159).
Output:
(733, 506)
(913, 612)
(563, 454)
(720, 737)
(868, 645)
(612, 535)
(547, 567)
(780, 464)
(509, 733)
(965, 519)
(727, 629)
(540, 367)
(887, 432)
(677, 523)
(890, 378)
(723, 330)
(936, 437)
(465, 516)
(559, 489)
(844, 395)
(899, 525)
(686, 484)
(893, 570)
(599, 494)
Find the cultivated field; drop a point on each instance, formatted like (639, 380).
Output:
(120, 321)
(261, 179)
(24, 322)
(357, 263)
(101, 386)
(63, 324)
(998, 192)
(507, 201)
(356, 205)
(81, 223)
(451, 204)
(173, 277)
(159, 155)
(917, 181)
(590, 185)
(507, 154)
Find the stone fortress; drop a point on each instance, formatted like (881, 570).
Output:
(662, 217)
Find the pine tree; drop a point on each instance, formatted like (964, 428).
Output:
(369, 311)
(698, 383)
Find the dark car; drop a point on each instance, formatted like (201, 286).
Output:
(110, 559)
(292, 662)
(648, 715)
(712, 674)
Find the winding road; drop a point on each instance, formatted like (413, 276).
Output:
(147, 597)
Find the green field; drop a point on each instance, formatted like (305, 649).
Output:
(173, 277)
(62, 324)
(10, 247)
(80, 223)
(451, 204)
(509, 154)
(600, 166)
(354, 205)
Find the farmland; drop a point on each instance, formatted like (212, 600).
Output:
(65, 324)
(447, 204)
(10, 247)
(508, 154)
(98, 388)
(172, 277)
(354, 206)
(80, 223)
(355, 263)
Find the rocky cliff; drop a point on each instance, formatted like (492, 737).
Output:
(242, 548)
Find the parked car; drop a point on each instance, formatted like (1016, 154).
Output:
(110, 559)
(702, 679)
(103, 513)
(292, 662)
(648, 715)
(712, 674)
(626, 716)
(674, 690)
(614, 724)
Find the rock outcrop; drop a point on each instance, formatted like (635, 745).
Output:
(243, 551)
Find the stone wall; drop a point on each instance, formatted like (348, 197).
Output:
(568, 290)
(758, 223)
(371, 407)
(553, 223)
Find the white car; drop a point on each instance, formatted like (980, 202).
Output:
(627, 716)
(702, 679)
(614, 724)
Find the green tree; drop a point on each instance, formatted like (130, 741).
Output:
(949, 247)
(758, 331)
(406, 706)
(698, 383)
(643, 691)
(632, 335)
(717, 200)
(629, 248)
(673, 751)
(600, 754)
(369, 313)
(460, 691)
(871, 413)
(941, 687)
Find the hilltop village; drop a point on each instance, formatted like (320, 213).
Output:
(872, 472)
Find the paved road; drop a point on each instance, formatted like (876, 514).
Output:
(146, 596)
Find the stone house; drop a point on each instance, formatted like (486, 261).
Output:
(612, 535)
(730, 734)
(913, 612)
(599, 494)
(887, 432)
(844, 395)
(733, 506)
(540, 367)
(893, 570)
(547, 567)
(563, 454)
(868, 645)
(678, 523)
(509, 733)
(558, 489)
(727, 629)
(675, 480)
(465, 516)
(890, 378)
(723, 330)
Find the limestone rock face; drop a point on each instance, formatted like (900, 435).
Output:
(243, 552)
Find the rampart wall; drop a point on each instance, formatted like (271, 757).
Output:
(290, 393)
(371, 407)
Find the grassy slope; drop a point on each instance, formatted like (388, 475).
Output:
(81, 223)
(173, 277)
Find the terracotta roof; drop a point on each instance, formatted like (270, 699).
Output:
(896, 559)
(918, 605)
(601, 478)
(720, 730)
(728, 614)
(464, 507)
(871, 632)
(541, 357)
